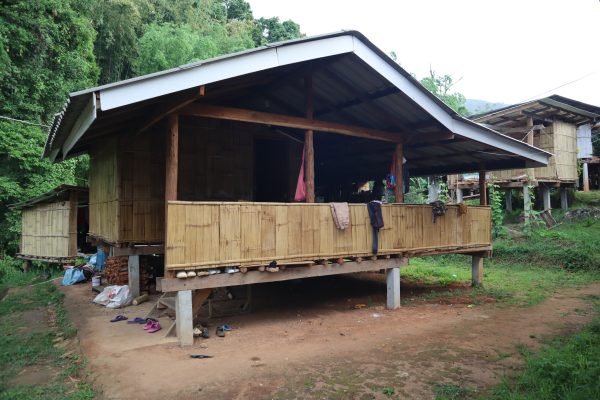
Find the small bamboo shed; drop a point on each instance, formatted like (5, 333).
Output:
(202, 163)
(49, 224)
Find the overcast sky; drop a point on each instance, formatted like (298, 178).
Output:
(500, 51)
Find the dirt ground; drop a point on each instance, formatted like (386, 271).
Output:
(304, 339)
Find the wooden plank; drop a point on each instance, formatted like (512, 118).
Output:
(238, 114)
(399, 172)
(251, 277)
(229, 233)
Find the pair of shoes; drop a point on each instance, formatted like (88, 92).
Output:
(231, 270)
(214, 271)
(191, 274)
(152, 326)
(202, 273)
(181, 275)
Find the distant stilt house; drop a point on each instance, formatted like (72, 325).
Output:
(555, 124)
(229, 165)
(53, 225)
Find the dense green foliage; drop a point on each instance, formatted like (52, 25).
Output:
(49, 48)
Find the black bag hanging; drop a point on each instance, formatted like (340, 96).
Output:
(376, 217)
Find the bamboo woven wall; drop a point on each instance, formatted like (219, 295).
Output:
(50, 229)
(544, 140)
(565, 144)
(104, 193)
(142, 187)
(216, 234)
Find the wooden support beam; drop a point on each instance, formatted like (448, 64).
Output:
(251, 277)
(258, 117)
(482, 187)
(171, 107)
(309, 156)
(172, 158)
(509, 200)
(399, 172)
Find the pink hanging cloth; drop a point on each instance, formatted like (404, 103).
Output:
(301, 185)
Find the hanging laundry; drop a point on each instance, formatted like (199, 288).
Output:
(376, 217)
(301, 185)
(341, 214)
(438, 209)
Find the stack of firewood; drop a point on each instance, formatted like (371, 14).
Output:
(116, 272)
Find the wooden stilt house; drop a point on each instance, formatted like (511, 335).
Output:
(555, 124)
(201, 162)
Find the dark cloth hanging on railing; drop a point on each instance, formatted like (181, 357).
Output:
(376, 217)
(438, 209)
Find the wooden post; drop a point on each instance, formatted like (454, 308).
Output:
(393, 288)
(476, 271)
(564, 202)
(184, 319)
(399, 172)
(509, 200)
(26, 265)
(546, 197)
(309, 157)
(172, 158)
(482, 187)
(171, 168)
(133, 271)
(530, 171)
(586, 179)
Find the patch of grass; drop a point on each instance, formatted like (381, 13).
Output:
(388, 391)
(586, 199)
(31, 343)
(568, 368)
(445, 391)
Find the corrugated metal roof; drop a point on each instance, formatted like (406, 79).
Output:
(354, 83)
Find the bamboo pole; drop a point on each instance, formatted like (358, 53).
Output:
(309, 159)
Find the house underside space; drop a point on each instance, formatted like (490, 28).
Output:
(232, 164)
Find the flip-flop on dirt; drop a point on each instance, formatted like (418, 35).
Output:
(137, 320)
(118, 318)
(155, 327)
(220, 331)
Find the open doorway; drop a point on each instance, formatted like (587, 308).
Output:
(271, 170)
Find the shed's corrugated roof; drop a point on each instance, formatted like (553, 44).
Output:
(53, 195)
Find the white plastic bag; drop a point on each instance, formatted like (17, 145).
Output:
(114, 296)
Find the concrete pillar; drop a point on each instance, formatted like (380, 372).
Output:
(133, 269)
(459, 195)
(586, 178)
(546, 197)
(526, 201)
(184, 319)
(476, 271)
(564, 202)
(26, 265)
(509, 200)
(393, 288)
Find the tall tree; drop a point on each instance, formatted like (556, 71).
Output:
(441, 86)
(47, 51)
(269, 30)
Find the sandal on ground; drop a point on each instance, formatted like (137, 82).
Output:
(137, 320)
(220, 331)
(118, 318)
(155, 327)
